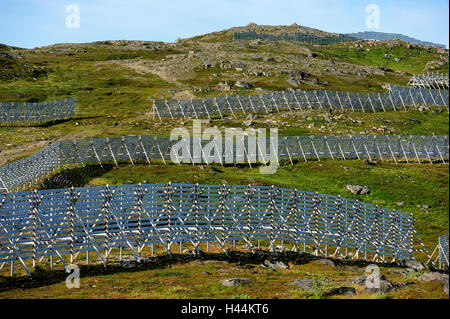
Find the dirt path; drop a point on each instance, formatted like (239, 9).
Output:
(145, 67)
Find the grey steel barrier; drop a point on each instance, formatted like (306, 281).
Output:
(297, 36)
(324, 40)
(397, 98)
(382, 36)
(443, 251)
(25, 112)
(430, 81)
(290, 149)
(53, 223)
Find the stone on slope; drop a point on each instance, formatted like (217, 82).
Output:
(243, 84)
(358, 189)
(275, 265)
(414, 264)
(348, 291)
(232, 282)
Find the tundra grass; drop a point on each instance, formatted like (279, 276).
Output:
(183, 278)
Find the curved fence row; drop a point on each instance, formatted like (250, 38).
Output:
(251, 149)
(38, 224)
(18, 112)
(297, 36)
(397, 98)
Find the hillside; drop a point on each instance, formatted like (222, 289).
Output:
(115, 83)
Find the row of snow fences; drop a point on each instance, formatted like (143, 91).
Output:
(381, 36)
(17, 113)
(297, 37)
(430, 81)
(66, 222)
(23, 173)
(325, 40)
(396, 99)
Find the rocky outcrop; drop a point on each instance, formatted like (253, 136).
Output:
(358, 189)
(232, 282)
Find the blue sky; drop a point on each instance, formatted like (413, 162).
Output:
(34, 23)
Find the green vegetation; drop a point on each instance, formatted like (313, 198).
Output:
(396, 57)
(183, 277)
(115, 82)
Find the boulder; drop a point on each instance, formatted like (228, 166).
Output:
(306, 284)
(315, 81)
(214, 170)
(275, 265)
(223, 86)
(243, 84)
(403, 272)
(358, 190)
(326, 262)
(348, 291)
(414, 264)
(385, 285)
(247, 122)
(350, 268)
(281, 249)
(361, 280)
(298, 75)
(255, 42)
(206, 65)
(292, 82)
(232, 282)
(370, 162)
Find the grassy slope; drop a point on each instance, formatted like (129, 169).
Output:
(182, 278)
(112, 100)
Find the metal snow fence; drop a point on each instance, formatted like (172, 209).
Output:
(21, 113)
(443, 251)
(382, 36)
(297, 37)
(53, 223)
(396, 99)
(132, 149)
(430, 81)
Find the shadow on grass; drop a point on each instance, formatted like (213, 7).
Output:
(75, 177)
(41, 277)
(60, 121)
(45, 124)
